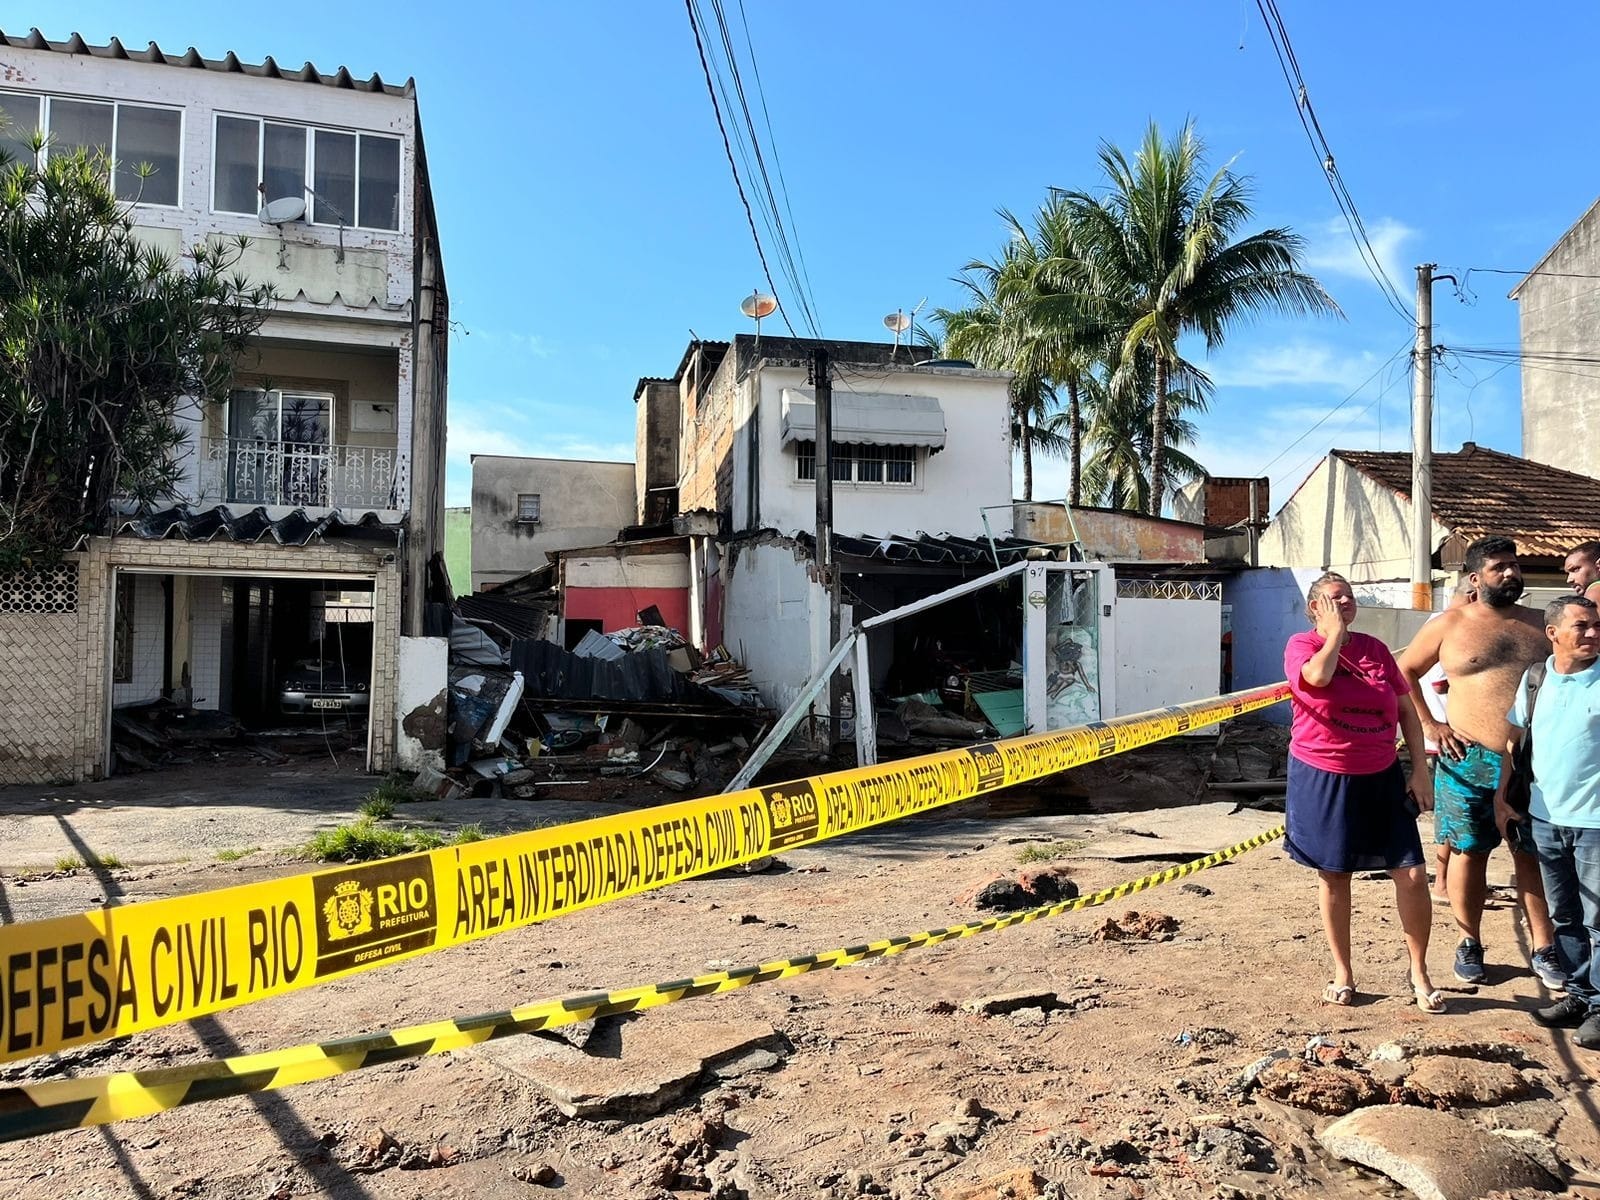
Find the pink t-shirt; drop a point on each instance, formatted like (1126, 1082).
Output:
(1349, 726)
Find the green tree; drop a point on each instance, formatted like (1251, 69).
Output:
(1158, 257)
(999, 329)
(101, 340)
(1116, 473)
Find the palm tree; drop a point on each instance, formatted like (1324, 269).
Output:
(1155, 256)
(999, 329)
(1116, 474)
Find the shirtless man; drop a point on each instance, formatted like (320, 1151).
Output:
(1583, 570)
(1484, 648)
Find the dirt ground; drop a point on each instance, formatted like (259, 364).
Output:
(881, 1083)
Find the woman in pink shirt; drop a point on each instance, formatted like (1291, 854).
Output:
(1349, 808)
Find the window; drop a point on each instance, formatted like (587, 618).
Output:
(528, 507)
(863, 464)
(122, 639)
(354, 178)
(131, 136)
(19, 120)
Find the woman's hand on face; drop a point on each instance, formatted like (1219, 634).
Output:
(1329, 620)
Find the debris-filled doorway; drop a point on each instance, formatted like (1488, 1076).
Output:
(271, 665)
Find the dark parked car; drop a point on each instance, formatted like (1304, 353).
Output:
(314, 686)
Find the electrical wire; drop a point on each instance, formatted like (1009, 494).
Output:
(722, 128)
(719, 59)
(1329, 415)
(1291, 472)
(1289, 65)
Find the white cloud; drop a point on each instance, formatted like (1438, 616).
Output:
(528, 343)
(1293, 364)
(1331, 250)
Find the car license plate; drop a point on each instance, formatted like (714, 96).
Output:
(327, 703)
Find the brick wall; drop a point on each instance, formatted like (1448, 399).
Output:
(706, 450)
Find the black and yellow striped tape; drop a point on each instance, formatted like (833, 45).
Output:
(39, 1108)
(115, 971)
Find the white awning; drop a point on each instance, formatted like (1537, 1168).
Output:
(869, 418)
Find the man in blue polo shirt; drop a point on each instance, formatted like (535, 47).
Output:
(1564, 807)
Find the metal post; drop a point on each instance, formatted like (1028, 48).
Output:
(827, 568)
(1422, 448)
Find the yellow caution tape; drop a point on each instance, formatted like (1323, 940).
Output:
(37, 1108)
(115, 971)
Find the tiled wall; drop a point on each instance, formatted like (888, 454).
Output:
(205, 641)
(149, 644)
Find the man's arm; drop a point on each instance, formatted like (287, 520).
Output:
(1593, 591)
(1416, 660)
(1504, 814)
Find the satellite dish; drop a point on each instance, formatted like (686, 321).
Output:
(898, 322)
(283, 211)
(757, 305)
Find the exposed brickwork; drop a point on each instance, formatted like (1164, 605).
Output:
(706, 449)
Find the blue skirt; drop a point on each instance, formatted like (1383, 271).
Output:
(1350, 822)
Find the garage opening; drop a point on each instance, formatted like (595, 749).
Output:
(278, 664)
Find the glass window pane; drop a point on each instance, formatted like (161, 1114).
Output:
(19, 120)
(335, 201)
(284, 168)
(900, 464)
(843, 465)
(869, 464)
(76, 124)
(380, 182)
(307, 418)
(148, 135)
(253, 415)
(805, 458)
(238, 165)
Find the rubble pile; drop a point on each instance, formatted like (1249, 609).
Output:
(632, 703)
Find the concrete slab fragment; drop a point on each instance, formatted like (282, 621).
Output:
(1433, 1154)
(651, 1069)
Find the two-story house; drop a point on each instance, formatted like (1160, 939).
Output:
(289, 578)
(921, 484)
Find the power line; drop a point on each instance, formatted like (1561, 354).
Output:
(1289, 64)
(1329, 414)
(716, 109)
(1291, 472)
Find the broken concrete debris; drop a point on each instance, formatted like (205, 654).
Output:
(1435, 1155)
(1134, 926)
(1027, 889)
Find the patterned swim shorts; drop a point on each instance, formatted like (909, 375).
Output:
(1463, 800)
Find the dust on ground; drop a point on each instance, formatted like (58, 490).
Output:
(1041, 1059)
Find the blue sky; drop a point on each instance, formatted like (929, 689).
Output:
(590, 221)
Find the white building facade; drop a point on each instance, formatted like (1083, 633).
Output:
(333, 434)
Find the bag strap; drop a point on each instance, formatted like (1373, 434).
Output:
(1535, 678)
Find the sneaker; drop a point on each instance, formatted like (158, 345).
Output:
(1563, 1014)
(1588, 1035)
(1469, 961)
(1547, 966)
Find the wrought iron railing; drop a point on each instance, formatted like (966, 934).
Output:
(304, 474)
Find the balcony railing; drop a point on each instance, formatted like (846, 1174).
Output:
(303, 474)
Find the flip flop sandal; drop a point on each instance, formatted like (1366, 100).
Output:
(1431, 1003)
(1342, 997)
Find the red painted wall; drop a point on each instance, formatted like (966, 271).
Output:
(618, 608)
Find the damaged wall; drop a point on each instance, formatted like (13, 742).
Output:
(775, 618)
(613, 588)
(423, 668)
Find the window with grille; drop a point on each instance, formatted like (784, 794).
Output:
(528, 507)
(889, 466)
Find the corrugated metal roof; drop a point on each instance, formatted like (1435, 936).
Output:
(229, 63)
(295, 529)
(517, 619)
(1479, 491)
(925, 549)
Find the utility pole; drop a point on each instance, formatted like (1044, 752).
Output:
(1422, 443)
(1422, 447)
(827, 572)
